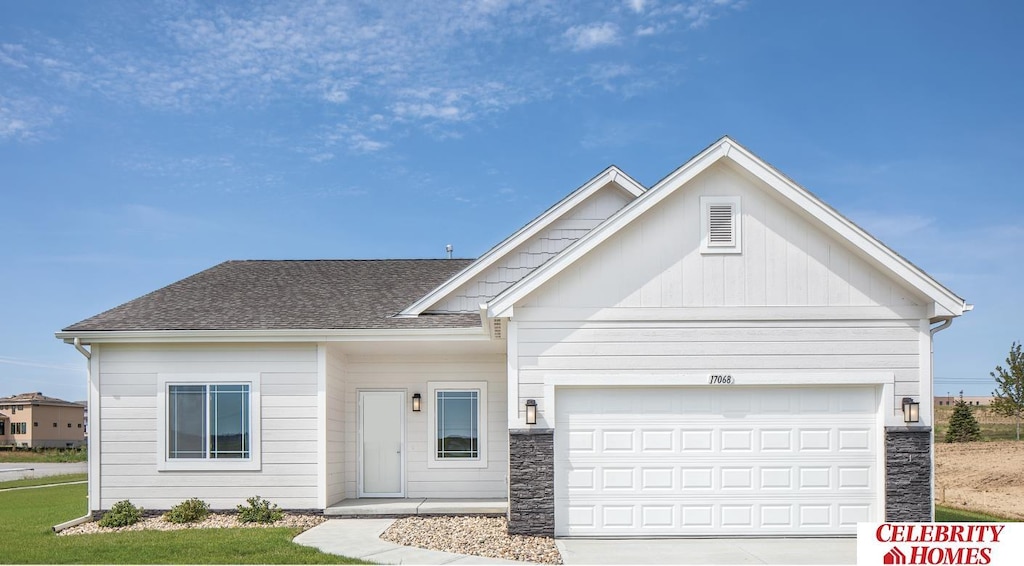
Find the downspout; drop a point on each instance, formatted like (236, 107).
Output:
(88, 372)
(931, 365)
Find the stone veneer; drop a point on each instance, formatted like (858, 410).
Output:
(908, 474)
(531, 482)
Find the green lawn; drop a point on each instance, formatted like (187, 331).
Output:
(52, 455)
(48, 480)
(950, 515)
(26, 518)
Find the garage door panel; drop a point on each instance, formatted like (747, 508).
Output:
(743, 465)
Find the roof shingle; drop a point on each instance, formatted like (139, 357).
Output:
(290, 294)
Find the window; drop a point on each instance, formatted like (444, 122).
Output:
(54, 425)
(457, 412)
(35, 424)
(2, 431)
(19, 428)
(69, 425)
(720, 225)
(208, 422)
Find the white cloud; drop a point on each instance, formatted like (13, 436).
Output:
(409, 64)
(363, 144)
(26, 118)
(592, 36)
(636, 5)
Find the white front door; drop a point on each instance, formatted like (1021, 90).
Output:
(381, 443)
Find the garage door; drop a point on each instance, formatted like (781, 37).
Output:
(706, 461)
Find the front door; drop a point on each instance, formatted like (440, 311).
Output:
(381, 443)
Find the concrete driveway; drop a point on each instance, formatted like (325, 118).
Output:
(10, 472)
(709, 551)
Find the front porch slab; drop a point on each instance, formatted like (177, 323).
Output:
(404, 507)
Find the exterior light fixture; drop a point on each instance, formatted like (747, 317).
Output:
(911, 410)
(416, 402)
(531, 411)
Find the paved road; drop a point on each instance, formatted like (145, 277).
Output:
(10, 472)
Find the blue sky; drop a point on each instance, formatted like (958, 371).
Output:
(143, 142)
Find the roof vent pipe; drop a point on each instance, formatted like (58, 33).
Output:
(449, 249)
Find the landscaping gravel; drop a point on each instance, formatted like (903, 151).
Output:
(479, 536)
(213, 521)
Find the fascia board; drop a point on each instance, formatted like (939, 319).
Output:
(311, 335)
(846, 229)
(501, 305)
(610, 175)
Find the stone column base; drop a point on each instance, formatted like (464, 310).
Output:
(908, 474)
(531, 482)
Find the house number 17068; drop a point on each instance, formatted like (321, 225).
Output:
(720, 380)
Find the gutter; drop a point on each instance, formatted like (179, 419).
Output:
(87, 517)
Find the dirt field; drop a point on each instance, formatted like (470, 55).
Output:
(981, 476)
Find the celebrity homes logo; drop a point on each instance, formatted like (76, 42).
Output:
(939, 543)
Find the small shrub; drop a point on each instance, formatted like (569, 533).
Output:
(259, 511)
(122, 514)
(188, 511)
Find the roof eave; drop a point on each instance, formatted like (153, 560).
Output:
(284, 335)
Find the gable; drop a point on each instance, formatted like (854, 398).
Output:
(785, 258)
(519, 261)
(940, 302)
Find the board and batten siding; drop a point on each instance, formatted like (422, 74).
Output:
(412, 373)
(129, 424)
(531, 254)
(647, 302)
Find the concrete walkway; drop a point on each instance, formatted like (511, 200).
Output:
(360, 538)
(10, 472)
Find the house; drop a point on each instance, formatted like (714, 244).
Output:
(974, 401)
(721, 354)
(33, 420)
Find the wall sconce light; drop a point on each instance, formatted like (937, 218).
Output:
(911, 410)
(531, 411)
(416, 402)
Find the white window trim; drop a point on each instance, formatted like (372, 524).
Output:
(253, 462)
(705, 230)
(431, 401)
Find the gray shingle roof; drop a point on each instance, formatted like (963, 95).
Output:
(295, 294)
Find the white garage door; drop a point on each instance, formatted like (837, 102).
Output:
(715, 461)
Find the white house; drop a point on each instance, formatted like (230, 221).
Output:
(721, 354)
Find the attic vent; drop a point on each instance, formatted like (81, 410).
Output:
(720, 225)
(720, 229)
(496, 329)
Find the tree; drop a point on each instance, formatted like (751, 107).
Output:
(1009, 395)
(963, 427)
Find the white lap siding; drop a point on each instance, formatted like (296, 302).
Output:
(335, 395)
(549, 350)
(412, 373)
(129, 425)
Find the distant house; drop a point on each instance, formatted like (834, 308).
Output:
(974, 401)
(721, 354)
(34, 420)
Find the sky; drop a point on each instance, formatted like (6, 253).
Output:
(142, 142)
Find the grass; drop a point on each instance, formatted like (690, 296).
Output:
(951, 515)
(43, 455)
(49, 480)
(26, 518)
(993, 427)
